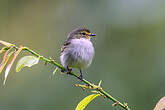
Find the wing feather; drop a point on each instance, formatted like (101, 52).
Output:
(66, 44)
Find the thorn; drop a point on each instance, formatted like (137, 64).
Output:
(89, 86)
(99, 85)
(99, 88)
(126, 105)
(96, 92)
(77, 85)
(116, 103)
(41, 57)
(51, 59)
(83, 89)
(55, 71)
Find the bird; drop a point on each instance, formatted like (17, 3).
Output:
(78, 50)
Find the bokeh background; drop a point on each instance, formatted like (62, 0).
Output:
(130, 52)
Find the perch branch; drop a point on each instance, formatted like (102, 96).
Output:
(88, 85)
(97, 88)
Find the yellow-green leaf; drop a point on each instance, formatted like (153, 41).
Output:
(6, 57)
(85, 101)
(3, 49)
(6, 43)
(26, 61)
(11, 63)
(160, 105)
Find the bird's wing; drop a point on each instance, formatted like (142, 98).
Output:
(66, 44)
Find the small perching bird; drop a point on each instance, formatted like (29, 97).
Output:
(78, 50)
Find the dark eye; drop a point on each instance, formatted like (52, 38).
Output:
(83, 33)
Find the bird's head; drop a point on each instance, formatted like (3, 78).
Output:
(80, 33)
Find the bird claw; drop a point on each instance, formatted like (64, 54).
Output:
(68, 70)
(81, 76)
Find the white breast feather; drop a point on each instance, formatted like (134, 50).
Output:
(79, 54)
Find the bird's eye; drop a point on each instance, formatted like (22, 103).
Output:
(83, 33)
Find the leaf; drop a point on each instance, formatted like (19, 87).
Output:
(85, 101)
(160, 105)
(6, 43)
(26, 61)
(6, 57)
(3, 49)
(11, 63)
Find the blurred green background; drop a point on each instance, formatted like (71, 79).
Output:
(130, 52)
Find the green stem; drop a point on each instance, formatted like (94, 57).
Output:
(123, 105)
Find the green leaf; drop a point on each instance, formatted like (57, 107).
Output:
(26, 61)
(85, 101)
(160, 105)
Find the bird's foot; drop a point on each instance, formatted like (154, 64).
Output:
(81, 75)
(68, 70)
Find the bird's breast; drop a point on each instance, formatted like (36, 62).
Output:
(81, 43)
(81, 52)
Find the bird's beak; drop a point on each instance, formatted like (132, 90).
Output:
(92, 35)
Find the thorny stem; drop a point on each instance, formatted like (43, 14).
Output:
(123, 105)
